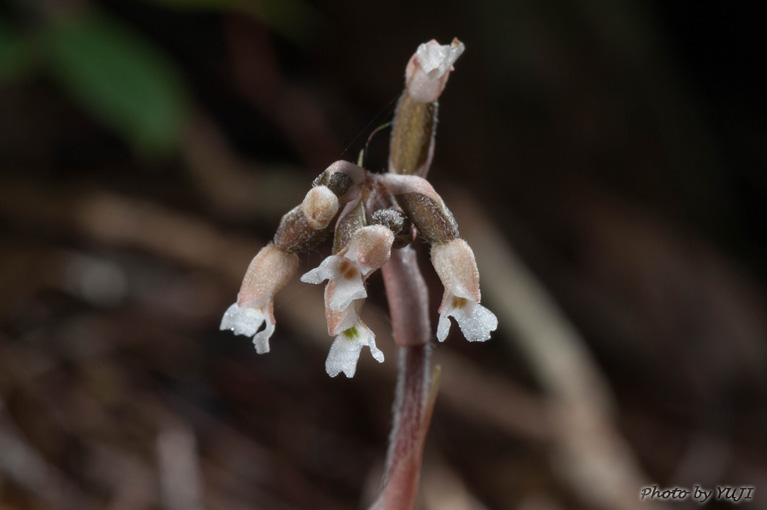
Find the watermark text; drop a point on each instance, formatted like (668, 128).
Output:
(698, 494)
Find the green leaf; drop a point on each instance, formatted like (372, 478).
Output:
(15, 53)
(121, 78)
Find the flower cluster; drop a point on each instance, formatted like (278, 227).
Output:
(371, 216)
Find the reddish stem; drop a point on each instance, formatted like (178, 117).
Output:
(412, 411)
(408, 298)
(408, 305)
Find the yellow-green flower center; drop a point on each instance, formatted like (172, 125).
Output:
(459, 302)
(352, 333)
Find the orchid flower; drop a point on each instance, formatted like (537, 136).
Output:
(368, 250)
(269, 271)
(456, 267)
(351, 335)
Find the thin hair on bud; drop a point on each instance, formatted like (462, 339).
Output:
(386, 110)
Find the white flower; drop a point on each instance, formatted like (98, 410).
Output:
(456, 267)
(246, 320)
(476, 321)
(367, 251)
(346, 348)
(269, 271)
(351, 336)
(347, 275)
(427, 71)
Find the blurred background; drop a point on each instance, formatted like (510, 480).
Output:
(606, 160)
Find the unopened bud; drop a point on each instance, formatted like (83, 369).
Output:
(341, 178)
(294, 235)
(371, 246)
(351, 219)
(415, 121)
(397, 222)
(393, 219)
(319, 206)
(423, 206)
(429, 68)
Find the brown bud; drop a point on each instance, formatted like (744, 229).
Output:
(397, 222)
(294, 235)
(340, 178)
(423, 206)
(351, 219)
(432, 219)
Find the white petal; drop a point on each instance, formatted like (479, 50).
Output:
(245, 320)
(443, 328)
(327, 270)
(261, 340)
(475, 320)
(436, 59)
(343, 356)
(374, 350)
(242, 320)
(347, 291)
(345, 351)
(339, 321)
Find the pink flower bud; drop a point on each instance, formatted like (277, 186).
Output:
(319, 206)
(371, 246)
(427, 72)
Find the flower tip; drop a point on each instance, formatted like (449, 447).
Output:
(428, 69)
(436, 59)
(244, 320)
(482, 323)
(341, 360)
(476, 321)
(313, 276)
(319, 207)
(371, 247)
(345, 351)
(262, 345)
(443, 328)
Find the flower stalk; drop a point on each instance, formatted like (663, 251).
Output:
(413, 404)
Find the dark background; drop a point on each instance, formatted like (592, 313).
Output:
(149, 148)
